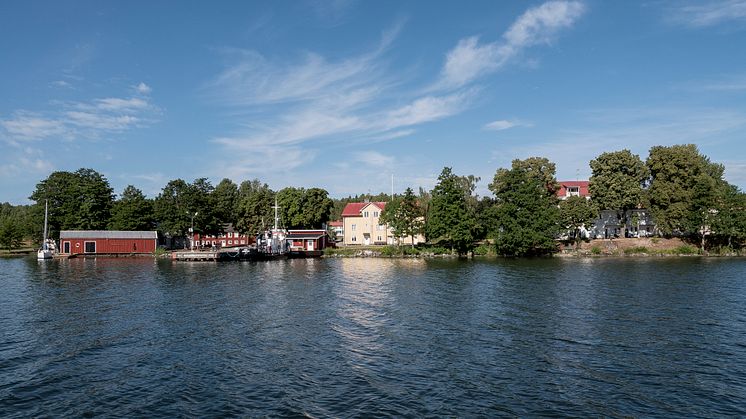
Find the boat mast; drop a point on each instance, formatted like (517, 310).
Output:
(46, 209)
(277, 218)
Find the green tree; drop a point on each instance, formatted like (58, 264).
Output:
(132, 212)
(729, 219)
(225, 201)
(173, 209)
(527, 215)
(404, 215)
(449, 219)
(301, 208)
(575, 213)
(77, 201)
(617, 182)
(11, 233)
(683, 190)
(255, 212)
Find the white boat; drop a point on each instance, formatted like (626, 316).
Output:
(47, 249)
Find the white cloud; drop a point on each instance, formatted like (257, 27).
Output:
(289, 111)
(30, 126)
(374, 158)
(502, 124)
(116, 104)
(699, 15)
(70, 120)
(143, 89)
(470, 60)
(61, 84)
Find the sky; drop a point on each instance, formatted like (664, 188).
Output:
(344, 94)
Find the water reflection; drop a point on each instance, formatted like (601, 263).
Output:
(357, 337)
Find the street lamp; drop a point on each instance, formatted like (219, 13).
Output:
(192, 229)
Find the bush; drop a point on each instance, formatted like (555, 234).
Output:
(635, 250)
(160, 251)
(482, 250)
(685, 250)
(394, 251)
(595, 250)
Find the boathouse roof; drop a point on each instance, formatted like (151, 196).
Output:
(107, 234)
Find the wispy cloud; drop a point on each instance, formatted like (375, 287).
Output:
(292, 110)
(71, 120)
(503, 124)
(61, 84)
(539, 25)
(704, 14)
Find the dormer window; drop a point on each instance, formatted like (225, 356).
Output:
(573, 191)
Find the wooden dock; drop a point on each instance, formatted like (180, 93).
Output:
(209, 256)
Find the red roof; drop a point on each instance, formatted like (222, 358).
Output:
(582, 186)
(353, 209)
(336, 223)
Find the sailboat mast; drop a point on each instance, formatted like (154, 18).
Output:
(46, 209)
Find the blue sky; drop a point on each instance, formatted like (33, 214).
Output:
(343, 94)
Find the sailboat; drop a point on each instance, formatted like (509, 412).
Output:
(46, 251)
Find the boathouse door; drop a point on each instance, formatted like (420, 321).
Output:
(66, 247)
(309, 245)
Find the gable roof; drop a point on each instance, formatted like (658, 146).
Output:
(107, 234)
(582, 186)
(353, 209)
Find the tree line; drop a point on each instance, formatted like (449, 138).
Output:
(682, 189)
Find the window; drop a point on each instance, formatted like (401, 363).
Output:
(354, 238)
(379, 238)
(353, 227)
(90, 247)
(375, 213)
(573, 191)
(365, 214)
(230, 241)
(379, 227)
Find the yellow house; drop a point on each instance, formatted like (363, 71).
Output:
(362, 225)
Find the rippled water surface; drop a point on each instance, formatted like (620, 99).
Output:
(373, 337)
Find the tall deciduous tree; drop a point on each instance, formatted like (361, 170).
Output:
(225, 201)
(617, 182)
(301, 208)
(527, 212)
(77, 201)
(255, 211)
(729, 220)
(449, 219)
(173, 208)
(404, 215)
(132, 212)
(683, 189)
(11, 232)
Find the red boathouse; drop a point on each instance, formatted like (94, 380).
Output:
(307, 243)
(92, 242)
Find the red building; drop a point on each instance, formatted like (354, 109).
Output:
(228, 238)
(308, 242)
(570, 188)
(92, 242)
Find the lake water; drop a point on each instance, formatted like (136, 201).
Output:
(373, 337)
